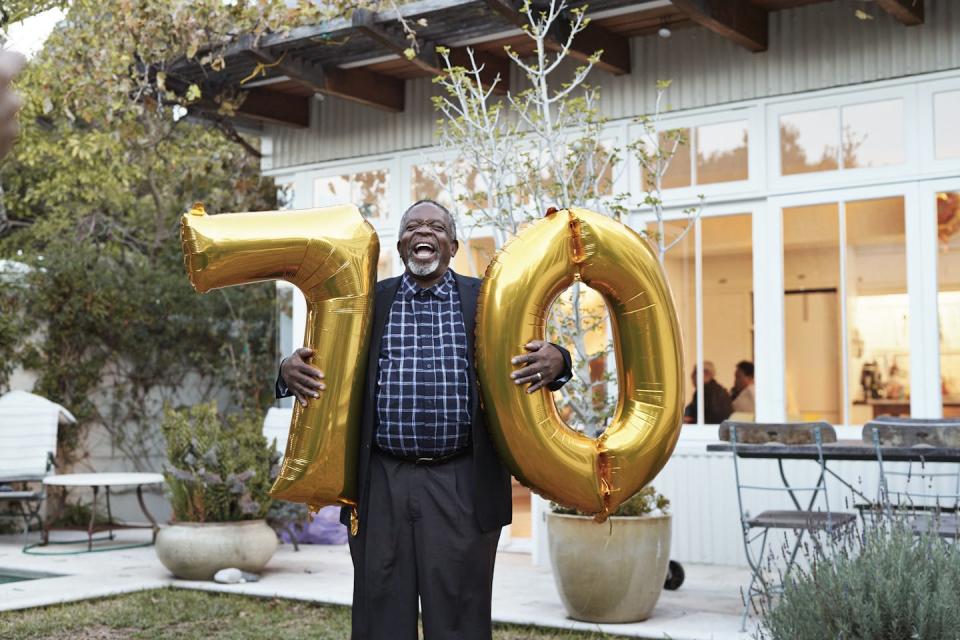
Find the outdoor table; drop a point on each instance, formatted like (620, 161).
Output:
(840, 450)
(105, 480)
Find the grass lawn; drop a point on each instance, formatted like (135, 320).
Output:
(187, 615)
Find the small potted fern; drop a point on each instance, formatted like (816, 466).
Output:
(613, 571)
(218, 476)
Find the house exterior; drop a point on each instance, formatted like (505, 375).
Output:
(824, 137)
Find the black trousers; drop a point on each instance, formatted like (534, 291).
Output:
(420, 539)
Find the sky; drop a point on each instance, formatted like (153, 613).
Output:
(28, 36)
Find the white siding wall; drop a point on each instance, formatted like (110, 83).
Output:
(813, 47)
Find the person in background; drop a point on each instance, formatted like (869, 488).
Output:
(742, 393)
(716, 401)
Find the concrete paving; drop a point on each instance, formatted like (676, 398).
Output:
(706, 607)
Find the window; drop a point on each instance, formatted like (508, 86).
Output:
(368, 190)
(707, 154)
(388, 258)
(852, 137)
(946, 110)
(845, 310)
(474, 255)
(726, 303)
(459, 188)
(948, 298)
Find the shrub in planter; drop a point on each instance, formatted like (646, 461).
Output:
(218, 475)
(892, 585)
(612, 571)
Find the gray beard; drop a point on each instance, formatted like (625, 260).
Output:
(421, 269)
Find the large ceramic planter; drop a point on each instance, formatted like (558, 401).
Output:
(196, 551)
(610, 572)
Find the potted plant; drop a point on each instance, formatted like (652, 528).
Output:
(218, 477)
(613, 571)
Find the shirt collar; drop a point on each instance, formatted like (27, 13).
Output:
(442, 289)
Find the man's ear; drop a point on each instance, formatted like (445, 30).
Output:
(453, 248)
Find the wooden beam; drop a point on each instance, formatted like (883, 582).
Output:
(366, 87)
(736, 20)
(262, 105)
(616, 49)
(615, 58)
(364, 21)
(301, 71)
(492, 66)
(909, 12)
(358, 85)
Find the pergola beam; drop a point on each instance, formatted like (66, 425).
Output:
(616, 49)
(491, 66)
(358, 85)
(365, 21)
(909, 12)
(736, 20)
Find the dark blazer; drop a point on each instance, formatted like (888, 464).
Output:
(493, 499)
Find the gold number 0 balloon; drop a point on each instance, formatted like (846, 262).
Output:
(592, 475)
(331, 256)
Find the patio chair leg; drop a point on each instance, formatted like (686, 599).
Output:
(755, 570)
(793, 554)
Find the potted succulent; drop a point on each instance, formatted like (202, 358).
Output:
(612, 571)
(218, 477)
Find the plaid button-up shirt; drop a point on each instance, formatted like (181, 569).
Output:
(423, 389)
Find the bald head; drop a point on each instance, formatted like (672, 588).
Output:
(10, 65)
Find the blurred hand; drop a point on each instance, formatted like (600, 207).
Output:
(303, 379)
(10, 65)
(542, 365)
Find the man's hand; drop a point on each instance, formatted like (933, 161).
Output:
(543, 364)
(302, 379)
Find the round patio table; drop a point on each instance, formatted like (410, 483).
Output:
(104, 480)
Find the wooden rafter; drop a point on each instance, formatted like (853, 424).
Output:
(737, 20)
(426, 58)
(359, 85)
(364, 21)
(616, 49)
(491, 65)
(909, 12)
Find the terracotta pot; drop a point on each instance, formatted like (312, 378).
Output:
(196, 551)
(609, 572)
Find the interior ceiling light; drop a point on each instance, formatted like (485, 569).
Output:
(664, 32)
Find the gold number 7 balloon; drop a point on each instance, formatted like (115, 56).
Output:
(330, 254)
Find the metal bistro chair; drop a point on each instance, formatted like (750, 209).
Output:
(803, 519)
(923, 494)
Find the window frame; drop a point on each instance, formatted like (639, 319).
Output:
(926, 92)
(840, 177)
(752, 114)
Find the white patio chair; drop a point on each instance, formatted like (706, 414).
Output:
(28, 444)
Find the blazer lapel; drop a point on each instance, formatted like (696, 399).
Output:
(469, 290)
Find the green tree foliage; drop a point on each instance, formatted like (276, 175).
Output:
(93, 192)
